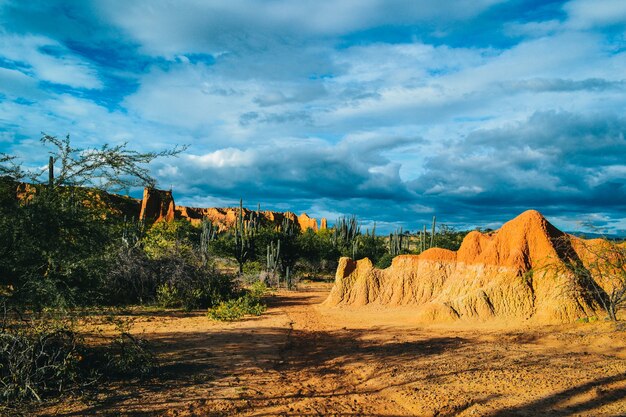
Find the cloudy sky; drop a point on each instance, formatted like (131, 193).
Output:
(473, 110)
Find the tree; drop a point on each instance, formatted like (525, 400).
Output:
(104, 168)
(600, 265)
(54, 237)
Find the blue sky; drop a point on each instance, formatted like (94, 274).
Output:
(473, 110)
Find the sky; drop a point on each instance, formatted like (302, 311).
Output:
(395, 111)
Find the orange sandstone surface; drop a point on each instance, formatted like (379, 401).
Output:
(158, 205)
(515, 274)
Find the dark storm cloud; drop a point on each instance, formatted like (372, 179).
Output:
(553, 162)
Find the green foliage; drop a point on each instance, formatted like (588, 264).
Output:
(237, 308)
(248, 303)
(398, 243)
(448, 238)
(55, 237)
(106, 167)
(164, 238)
(384, 261)
(253, 268)
(244, 235)
(345, 234)
(167, 296)
(54, 246)
(258, 290)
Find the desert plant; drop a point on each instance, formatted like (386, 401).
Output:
(346, 232)
(37, 359)
(55, 234)
(126, 354)
(209, 234)
(106, 167)
(237, 308)
(600, 267)
(432, 233)
(244, 239)
(398, 243)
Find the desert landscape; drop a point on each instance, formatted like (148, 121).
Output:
(500, 327)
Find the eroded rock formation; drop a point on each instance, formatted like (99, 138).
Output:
(157, 205)
(516, 273)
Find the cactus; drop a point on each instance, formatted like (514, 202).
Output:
(244, 239)
(208, 234)
(432, 233)
(288, 227)
(273, 257)
(51, 172)
(132, 232)
(398, 242)
(346, 232)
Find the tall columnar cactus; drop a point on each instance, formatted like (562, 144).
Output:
(51, 172)
(254, 222)
(398, 243)
(288, 283)
(208, 234)
(244, 239)
(287, 227)
(424, 239)
(346, 233)
(432, 233)
(273, 257)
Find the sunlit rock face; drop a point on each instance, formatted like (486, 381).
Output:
(515, 274)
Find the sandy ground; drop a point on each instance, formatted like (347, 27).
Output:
(303, 359)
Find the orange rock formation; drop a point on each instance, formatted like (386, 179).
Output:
(159, 205)
(516, 273)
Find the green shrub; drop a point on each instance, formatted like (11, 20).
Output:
(258, 290)
(168, 296)
(237, 308)
(384, 261)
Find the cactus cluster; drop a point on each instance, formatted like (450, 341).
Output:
(273, 257)
(346, 232)
(423, 234)
(245, 231)
(289, 228)
(207, 235)
(398, 243)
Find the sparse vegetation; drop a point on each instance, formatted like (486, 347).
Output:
(248, 303)
(601, 267)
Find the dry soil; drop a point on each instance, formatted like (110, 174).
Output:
(304, 359)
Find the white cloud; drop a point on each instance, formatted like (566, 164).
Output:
(57, 65)
(214, 27)
(584, 14)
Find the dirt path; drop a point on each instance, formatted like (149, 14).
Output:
(304, 359)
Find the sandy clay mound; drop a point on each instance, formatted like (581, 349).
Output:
(516, 273)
